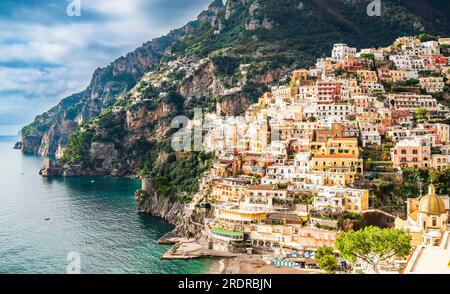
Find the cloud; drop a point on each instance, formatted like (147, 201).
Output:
(46, 55)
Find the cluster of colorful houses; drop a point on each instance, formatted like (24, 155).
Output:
(292, 165)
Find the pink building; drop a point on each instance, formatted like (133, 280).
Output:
(412, 153)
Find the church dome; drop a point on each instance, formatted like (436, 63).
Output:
(431, 203)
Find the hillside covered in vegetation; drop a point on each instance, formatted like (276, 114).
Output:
(223, 60)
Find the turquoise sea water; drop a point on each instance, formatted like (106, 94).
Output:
(94, 217)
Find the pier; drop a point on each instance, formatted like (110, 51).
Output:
(191, 249)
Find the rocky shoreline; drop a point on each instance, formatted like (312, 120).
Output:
(161, 207)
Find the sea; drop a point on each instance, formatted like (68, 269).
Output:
(76, 225)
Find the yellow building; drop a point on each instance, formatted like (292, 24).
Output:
(336, 160)
(406, 42)
(337, 164)
(229, 190)
(265, 99)
(231, 223)
(439, 161)
(337, 179)
(356, 200)
(427, 219)
(432, 84)
(284, 93)
(367, 76)
(338, 146)
(273, 237)
(259, 136)
(345, 146)
(342, 199)
(241, 216)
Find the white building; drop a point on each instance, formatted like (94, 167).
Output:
(378, 54)
(402, 62)
(372, 87)
(429, 48)
(328, 113)
(278, 174)
(341, 51)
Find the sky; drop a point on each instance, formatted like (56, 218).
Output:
(47, 53)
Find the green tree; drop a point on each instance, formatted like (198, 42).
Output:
(326, 260)
(369, 56)
(312, 119)
(440, 179)
(426, 37)
(420, 113)
(374, 245)
(77, 148)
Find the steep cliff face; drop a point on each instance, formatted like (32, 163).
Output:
(49, 132)
(204, 82)
(158, 206)
(188, 223)
(120, 137)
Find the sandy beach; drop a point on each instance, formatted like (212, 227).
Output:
(252, 264)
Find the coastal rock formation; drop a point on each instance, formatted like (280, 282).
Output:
(49, 169)
(188, 223)
(158, 206)
(188, 219)
(203, 82)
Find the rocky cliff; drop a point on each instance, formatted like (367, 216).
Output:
(188, 223)
(159, 206)
(48, 134)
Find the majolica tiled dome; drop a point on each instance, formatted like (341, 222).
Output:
(431, 203)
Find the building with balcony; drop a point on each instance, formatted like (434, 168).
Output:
(341, 51)
(411, 102)
(328, 91)
(412, 153)
(342, 199)
(432, 84)
(230, 189)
